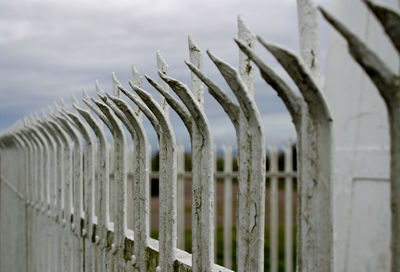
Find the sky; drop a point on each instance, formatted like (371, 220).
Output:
(50, 49)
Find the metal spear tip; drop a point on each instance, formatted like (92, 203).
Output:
(150, 80)
(73, 99)
(270, 47)
(134, 70)
(160, 60)
(192, 45)
(114, 78)
(217, 61)
(112, 97)
(98, 87)
(191, 66)
(142, 93)
(63, 105)
(335, 23)
(243, 30)
(164, 76)
(85, 94)
(242, 45)
(102, 96)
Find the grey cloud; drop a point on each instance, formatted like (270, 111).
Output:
(50, 49)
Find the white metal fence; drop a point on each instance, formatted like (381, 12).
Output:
(64, 208)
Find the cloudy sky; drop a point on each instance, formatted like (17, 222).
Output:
(50, 49)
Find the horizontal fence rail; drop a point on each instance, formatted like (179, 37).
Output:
(75, 181)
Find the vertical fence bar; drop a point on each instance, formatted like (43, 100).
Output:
(181, 196)
(76, 192)
(65, 200)
(140, 173)
(88, 178)
(228, 203)
(102, 190)
(168, 176)
(201, 253)
(49, 186)
(117, 246)
(288, 209)
(274, 231)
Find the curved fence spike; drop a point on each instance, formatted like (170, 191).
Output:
(99, 114)
(102, 192)
(313, 124)
(230, 107)
(301, 76)
(142, 106)
(173, 102)
(389, 19)
(89, 179)
(120, 180)
(168, 179)
(141, 172)
(381, 75)
(388, 87)
(291, 100)
(77, 191)
(251, 153)
(203, 182)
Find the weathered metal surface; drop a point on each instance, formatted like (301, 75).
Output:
(168, 179)
(141, 173)
(387, 83)
(67, 226)
(250, 139)
(313, 123)
(202, 182)
(102, 192)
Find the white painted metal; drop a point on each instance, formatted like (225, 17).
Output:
(102, 192)
(246, 120)
(380, 62)
(313, 123)
(64, 232)
(120, 179)
(168, 179)
(88, 179)
(141, 171)
(76, 190)
(202, 178)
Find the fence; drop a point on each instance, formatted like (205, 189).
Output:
(56, 167)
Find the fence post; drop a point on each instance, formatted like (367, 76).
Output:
(89, 177)
(102, 192)
(141, 171)
(117, 246)
(313, 123)
(202, 181)
(65, 199)
(251, 152)
(76, 192)
(387, 83)
(168, 179)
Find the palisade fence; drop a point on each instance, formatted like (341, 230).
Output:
(65, 206)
